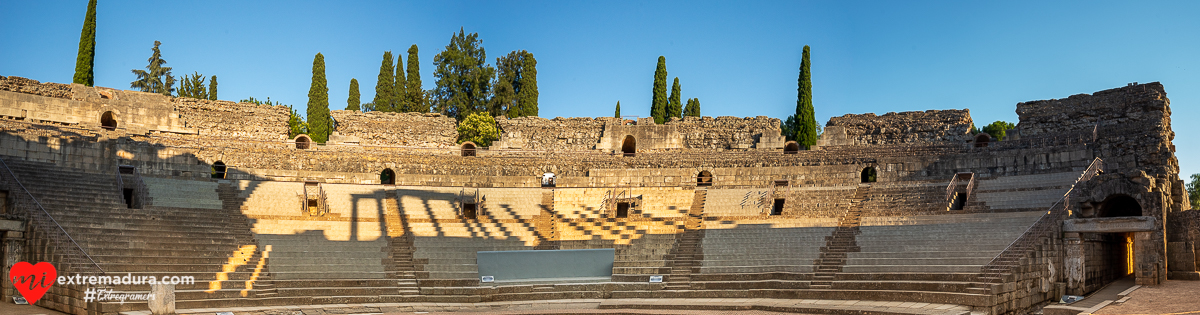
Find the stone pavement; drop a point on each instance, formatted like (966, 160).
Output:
(609, 306)
(7, 308)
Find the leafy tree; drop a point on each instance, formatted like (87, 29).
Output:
(400, 88)
(416, 96)
(788, 129)
(212, 88)
(1193, 189)
(674, 106)
(155, 78)
(806, 122)
(319, 126)
(658, 104)
(617, 114)
(478, 127)
(974, 131)
(997, 129)
(517, 72)
(86, 59)
(366, 107)
(385, 86)
(463, 80)
(352, 102)
(296, 125)
(193, 86)
(693, 108)
(504, 100)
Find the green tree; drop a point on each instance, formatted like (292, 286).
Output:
(86, 59)
(617, 114)
(1193, 189)
(463, 80)
(504, 100)
(193, 86)
(400, 88)
(319, 126)
(674, 106)
(416, 96)
(516, 92)
(352, 101)
(806, 122)
(155, 78)
(997, 129)
(693, 107)
(478, 127)
(212, 88)
(658, 104)
(296, 125)
(385, 86)
(788, 128)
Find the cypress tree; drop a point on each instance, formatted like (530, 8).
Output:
(212, 88)
(693, 108)
(527, 94)
(87, 48)
(353, 101)
(385, 85)
(806, 122)
(658, 105)
(400, 88)
(617, 114)
(416, 96)
(318, 102)
(674, 108)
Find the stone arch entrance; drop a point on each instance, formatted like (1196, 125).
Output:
(1119, 205)
(981, 140)
(868, 174)
(468, 148)
(303, 142)
(629, 146)
(791, 147)
(387, 177)
(108, 121)
(704, 179)
(218, 170)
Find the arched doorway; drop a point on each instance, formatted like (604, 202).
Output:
(303, 142)
(629, 146)
(791, 147)
(387, 177)
(548, 180)
(1115, 250)
(981, 140)
(704, 179)
(218, 170)
(468, 149)
(1120, 205)
(108, 121)
(868, 175)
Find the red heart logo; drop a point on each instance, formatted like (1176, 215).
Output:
(33, 280)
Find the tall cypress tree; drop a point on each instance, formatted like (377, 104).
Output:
(400, 88)
(658, 105)
(693, 108)
(806, 122)
(617, 114)
(212, 88)
(527, 95)
(674, 107)
(87, 48)
(385, 85)
(318, 102)
(353, 101)
(416, 96)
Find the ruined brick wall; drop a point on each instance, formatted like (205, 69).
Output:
(30, 86)
(225, 119)
(728, 132)
(898, 128)
(561, 134)
(397, 129)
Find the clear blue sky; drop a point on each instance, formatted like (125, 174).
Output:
(739, 58)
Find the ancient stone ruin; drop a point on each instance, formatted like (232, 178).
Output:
(901, 207)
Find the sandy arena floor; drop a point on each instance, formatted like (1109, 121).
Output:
(1172, 297)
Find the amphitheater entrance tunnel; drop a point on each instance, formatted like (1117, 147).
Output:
(629, 146)
(1116, 243)
(387, 177)
(868, 175)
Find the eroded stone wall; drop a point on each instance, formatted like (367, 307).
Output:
(728, 132)
(396, 129)
(929, 126)
(225, 119)
(559, 134)
(31, 86)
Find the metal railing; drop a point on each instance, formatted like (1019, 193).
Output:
(1011, 256)
(138, 197)
(317, 194)
(950, 188)
(68, 251)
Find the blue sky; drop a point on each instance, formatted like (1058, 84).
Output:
(739, 58)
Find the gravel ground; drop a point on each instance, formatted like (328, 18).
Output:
(1173, 297)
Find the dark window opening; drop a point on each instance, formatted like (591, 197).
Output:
(313, 207)
(468, 149)
(982, 140)
(791, 148)
(218, 170)
(127, 193)
(548, 180)
(629, 146)
(868, 175)
(777, 208)
(387, 177)
(622, 209)
(704, 179)
(469, 210)
(781, 183)
(303, 142)
(1119, 206)
(107, 121)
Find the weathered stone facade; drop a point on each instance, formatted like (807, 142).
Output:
(217, 119)
(929, 126)
(396, 129)
(558, 134)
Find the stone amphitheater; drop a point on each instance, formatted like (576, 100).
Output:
(896, 209)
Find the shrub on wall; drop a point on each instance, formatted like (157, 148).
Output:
(479, 128)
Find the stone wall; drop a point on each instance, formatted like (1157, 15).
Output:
(225, 119)
(728, 132)
(899, 128)
(30, 86)
(559, 134)
(396, 129)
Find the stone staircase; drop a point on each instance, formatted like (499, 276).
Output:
(833, 255)
(687, 255)
(400, 248)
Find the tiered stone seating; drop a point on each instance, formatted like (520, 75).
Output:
(761, 248)
(179, 193)
(1038, 191)
(818, 202)
(906, 198)
(733, 202)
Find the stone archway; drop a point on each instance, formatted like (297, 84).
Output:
(108, 121)
(387, 177)
(629, 146)
(218, 170)
(791, 147)
(468, 148)
(868, 174)
(1119, 205)
(704, 179)
(303, 142)
(982, 139)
